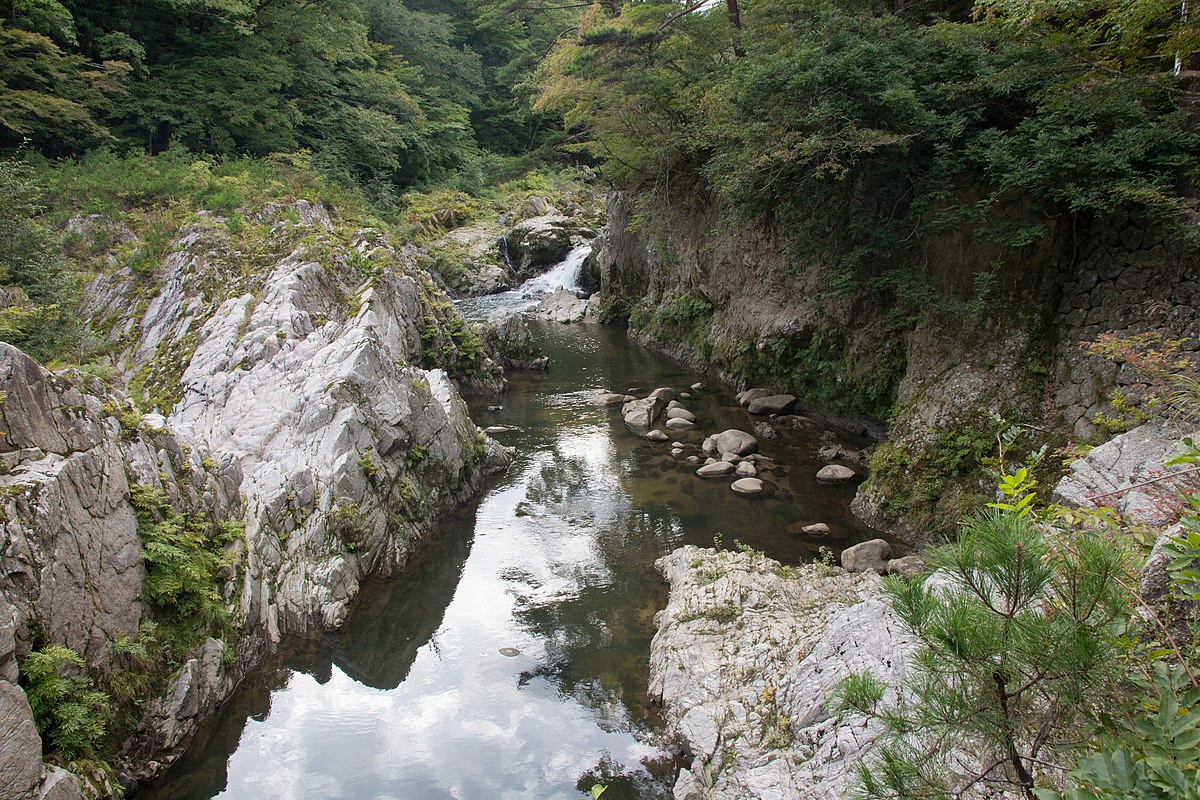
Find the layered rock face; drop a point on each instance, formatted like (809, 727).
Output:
(745, 661)
(732, 294)
(72, 566)
(307, 379)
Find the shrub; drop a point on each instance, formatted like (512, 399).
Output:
(69, 711)
(1017, 655)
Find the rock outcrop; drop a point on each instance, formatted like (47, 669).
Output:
(307, 383)
(563, 306)
(745, 661)
(72, 565)
(538, 243)
(1111, 474)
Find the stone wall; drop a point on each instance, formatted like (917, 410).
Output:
(1127, 278)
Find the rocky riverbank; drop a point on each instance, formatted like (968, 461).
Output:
(304, 380)
(745, 661)
(748, 653)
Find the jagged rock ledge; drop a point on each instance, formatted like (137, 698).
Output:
(306, 394)
(745, 660)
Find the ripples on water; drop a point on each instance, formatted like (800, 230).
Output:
(414, 698)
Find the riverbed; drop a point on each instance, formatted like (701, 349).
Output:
(511, 660)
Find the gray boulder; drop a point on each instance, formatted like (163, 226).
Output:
(835, 473)
(642, 414)
(680, 413)
(907, 567)
(656, 436)
(745, 398)
(736, 442)
(666, 393)
(563, 306)
(678, 424)
(747, 486)
(871, 556)
(772, 404)
(508, 338)
(716, 469)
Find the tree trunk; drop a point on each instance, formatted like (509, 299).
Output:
(735, 19)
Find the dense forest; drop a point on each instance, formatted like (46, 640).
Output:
(856, 126)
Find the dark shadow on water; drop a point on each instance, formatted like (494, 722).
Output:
(390, 623)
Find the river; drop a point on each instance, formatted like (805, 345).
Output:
(511, 660)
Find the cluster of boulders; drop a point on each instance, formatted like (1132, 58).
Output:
(729, 453)
(876, 555)
(563, 305)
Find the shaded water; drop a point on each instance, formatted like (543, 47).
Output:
(414, 698)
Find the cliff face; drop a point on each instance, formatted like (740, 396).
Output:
(306, 379)
(73, 570)
(978, 338)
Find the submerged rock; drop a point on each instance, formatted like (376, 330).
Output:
(607, 399)
(835, 473)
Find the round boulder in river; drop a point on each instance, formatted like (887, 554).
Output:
(745, 398)
(666, 393)
(772, 404)
(656, 436)
(736, 442)
(679, 424)
(747, 486)
(679, 412)
(835, 473)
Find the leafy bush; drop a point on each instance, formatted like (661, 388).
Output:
(69, 711)
(38, 315)
(185, 562)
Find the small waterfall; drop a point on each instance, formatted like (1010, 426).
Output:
(567, 273)
(502, 244)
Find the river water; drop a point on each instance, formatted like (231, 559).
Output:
(511, 660)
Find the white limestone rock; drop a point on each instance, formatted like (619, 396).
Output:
(739, 650)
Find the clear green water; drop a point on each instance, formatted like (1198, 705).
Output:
(414, 698)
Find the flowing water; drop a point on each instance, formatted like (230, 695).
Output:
(511, 660)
